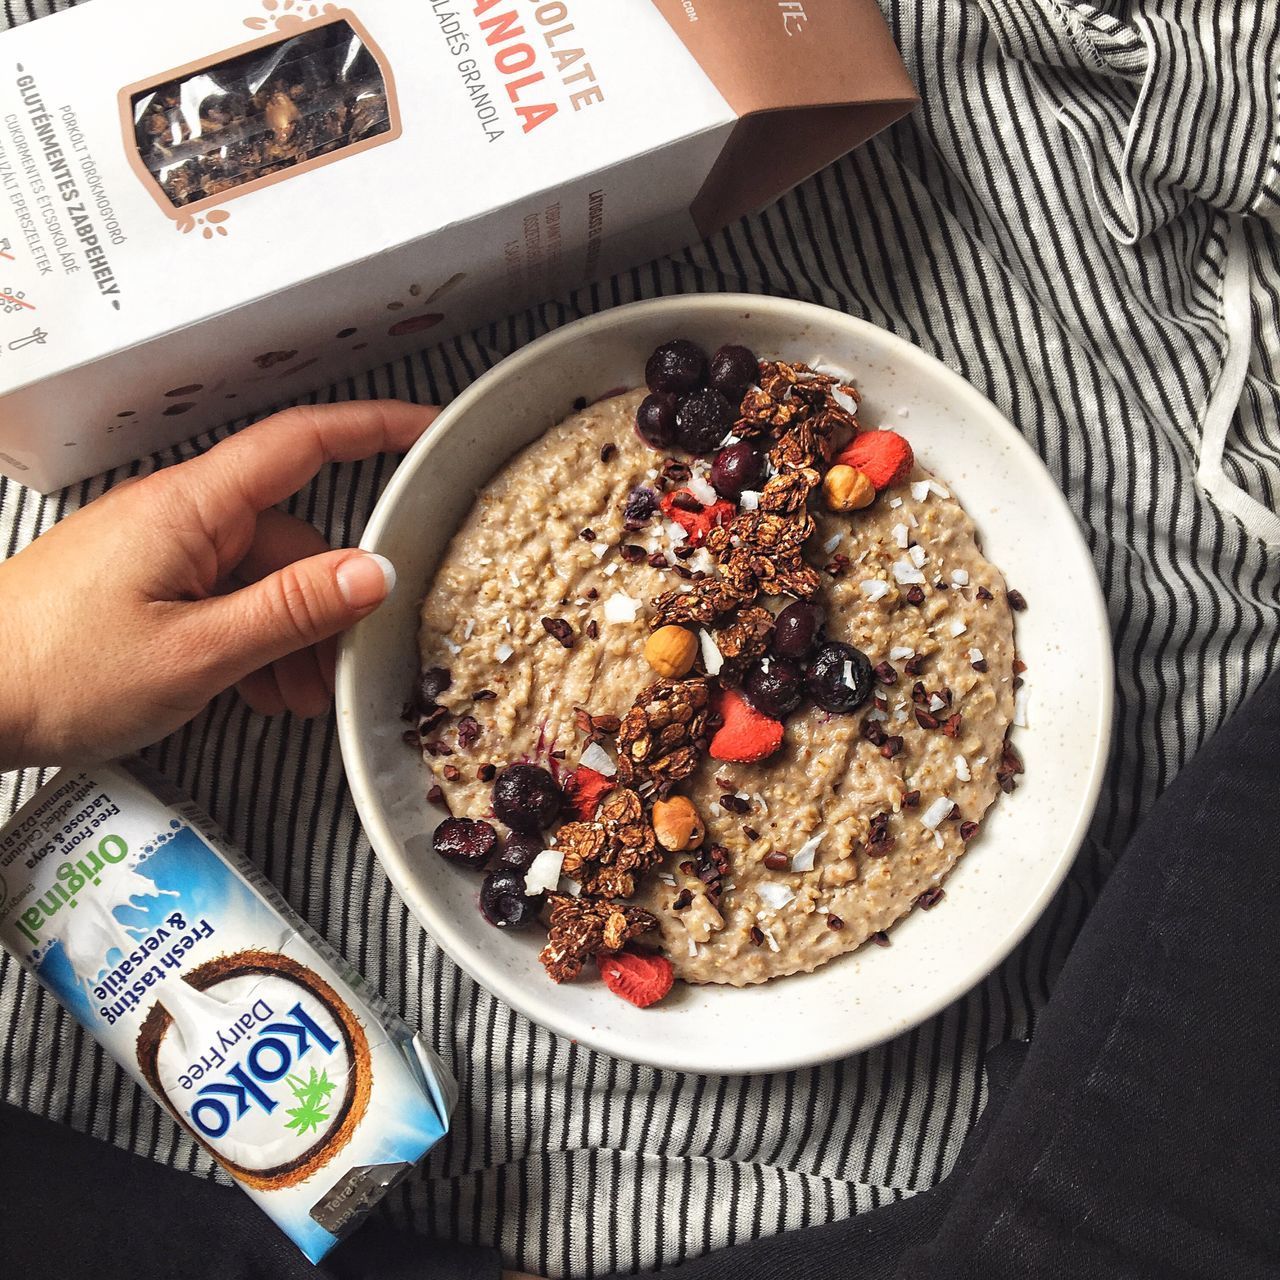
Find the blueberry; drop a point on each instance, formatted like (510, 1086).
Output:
(526, 798)
(676, 366)
(503, 901)
(656, 420)
(465, 840)
(703, 419)
(431, 684)
(796, 629)
(641, 507)
(739, 467)
(840, 677)
(732, 371)
(774, 686)
(519, 851)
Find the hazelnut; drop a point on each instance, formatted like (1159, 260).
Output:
(847, 489)
(281, 114)
(670, 651)
(677, 825)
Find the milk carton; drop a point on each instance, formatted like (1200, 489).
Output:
(195, 975)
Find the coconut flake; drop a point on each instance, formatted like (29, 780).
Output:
(906, 572)
(937, 838)
(770, 939)
(873, 588)
(832, 542)
(621, 608)
(900, 535)
(712, 658)
(876, 714)
(936, 813)
(485, 560)
(693, 947)
(701, 490)
(775, 896)
(935, 487)
(802, 859)
(749, 499)
(962, 769)
(957, 628)
(1020, 708)
(959, 577)
(571, 887)
(544, 872)
(454, 649)
(920, 490)
(975, 655)
(936, 703)
(895, 502)
(503, 652)
(599, 549)
(675, 533)
(917, 555)
(597, 758)
(844, 400)
(900, 652)
(469, 629)
(514, 576)
(912, 521)
(610, 569)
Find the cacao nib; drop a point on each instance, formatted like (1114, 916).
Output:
(559, 629)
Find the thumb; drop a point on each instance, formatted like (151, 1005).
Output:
(297, 606)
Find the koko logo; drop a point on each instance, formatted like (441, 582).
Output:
(263, 1061)
(247, 1085)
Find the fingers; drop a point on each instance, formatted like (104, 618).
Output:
(267, 462)
(302, 604)
(260, 691)
(278, 539)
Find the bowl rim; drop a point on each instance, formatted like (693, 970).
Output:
(452, 938)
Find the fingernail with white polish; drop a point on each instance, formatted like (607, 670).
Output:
(366, 579)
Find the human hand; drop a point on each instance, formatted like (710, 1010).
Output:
(121, 622)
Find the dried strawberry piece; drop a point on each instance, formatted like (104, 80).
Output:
(583, 789)
(884, 457)
(746, 735)
(693, 517)
(641, 978)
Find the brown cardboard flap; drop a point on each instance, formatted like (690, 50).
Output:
(808, 79)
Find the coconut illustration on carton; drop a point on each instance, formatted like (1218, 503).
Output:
(263, 1062)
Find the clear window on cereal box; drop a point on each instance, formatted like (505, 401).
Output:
(309, 94)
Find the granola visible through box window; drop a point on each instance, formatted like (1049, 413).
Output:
(280, 104)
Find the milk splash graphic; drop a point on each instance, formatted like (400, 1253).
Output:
(187, 966)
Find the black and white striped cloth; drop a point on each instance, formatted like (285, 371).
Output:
(1083, 218)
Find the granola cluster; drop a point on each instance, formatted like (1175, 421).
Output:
(663, 735)
(579, 928)
(605, 854)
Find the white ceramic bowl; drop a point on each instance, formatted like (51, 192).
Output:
(1008, 876)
